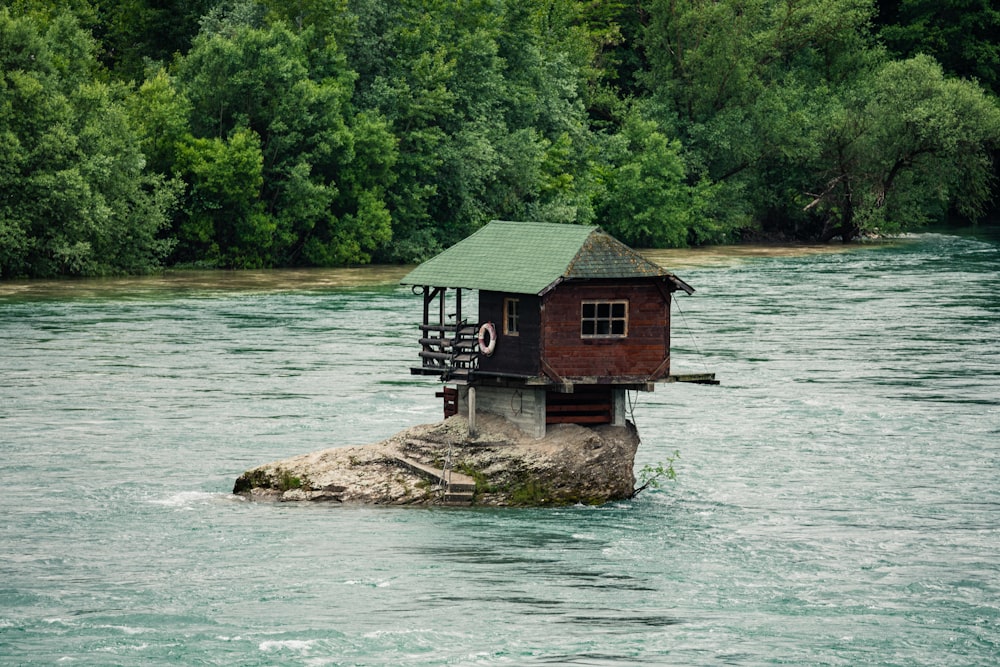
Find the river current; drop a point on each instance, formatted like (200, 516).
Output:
(837, 499)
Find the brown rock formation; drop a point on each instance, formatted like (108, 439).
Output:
(571, 464)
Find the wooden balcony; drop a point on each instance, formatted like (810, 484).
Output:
(448, 351)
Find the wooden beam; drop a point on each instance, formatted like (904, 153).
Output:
(695, 378)
(441, 309)
(471, 399)
(661, 370)
(579, 419)
(579, 407)
(555, 377)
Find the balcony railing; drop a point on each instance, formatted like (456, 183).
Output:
(450, 351)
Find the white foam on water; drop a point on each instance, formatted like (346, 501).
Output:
(126, 629)
(297, 645)
(368, 583)
(185, 499)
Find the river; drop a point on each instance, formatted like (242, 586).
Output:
(837, 497)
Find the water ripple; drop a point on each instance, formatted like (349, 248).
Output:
(835, 504)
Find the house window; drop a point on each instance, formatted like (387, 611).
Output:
(511, 317)
(604, 319)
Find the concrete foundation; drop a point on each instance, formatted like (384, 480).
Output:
(525, 408)
(617, 406)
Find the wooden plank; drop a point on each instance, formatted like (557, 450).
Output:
(446, 328)
(695, 378)
(579, 407)
(450, 396)
(580, 419)
(437, 342)
(427, 370)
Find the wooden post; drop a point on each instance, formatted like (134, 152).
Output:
(472, 412)
(441, 309)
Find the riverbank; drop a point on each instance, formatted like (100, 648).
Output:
(501, 466)
(217, 281)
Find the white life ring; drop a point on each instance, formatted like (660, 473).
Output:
(487, 339)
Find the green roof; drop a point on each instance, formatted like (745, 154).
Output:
(528, 257)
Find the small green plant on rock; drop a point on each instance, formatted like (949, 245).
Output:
(289, 481)
(262, 479)
(653, 476)
(402, 481)
(482, 484)
(530, 493)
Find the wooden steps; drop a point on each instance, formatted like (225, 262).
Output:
(458, 489)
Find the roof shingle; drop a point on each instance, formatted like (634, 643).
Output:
(528, 257)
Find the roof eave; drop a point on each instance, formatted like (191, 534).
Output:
(679, 284)
(551, 286)
(515, 290)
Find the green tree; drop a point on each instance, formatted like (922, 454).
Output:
(161, 113)
(138, 34)
(962, 35)
(316, 203)
(487, 108)
(717, 70)
(224, 221)
(647, 201)
(793, 111)
(77, 199)
(904, 149)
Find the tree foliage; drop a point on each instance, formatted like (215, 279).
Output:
(960, 34)
(485, 106)
(252, 133)
(913, 144)
(75, 197)
(798, 116)
(276, 113)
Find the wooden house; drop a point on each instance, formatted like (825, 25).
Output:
(568, 320)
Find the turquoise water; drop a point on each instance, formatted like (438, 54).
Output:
(837, 498)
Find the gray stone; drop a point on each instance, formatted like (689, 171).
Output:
(571, 464)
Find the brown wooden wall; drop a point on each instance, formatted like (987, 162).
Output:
(639, 355)
(515, 355)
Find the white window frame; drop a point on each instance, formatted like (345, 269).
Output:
(511, 315)
(604, 318)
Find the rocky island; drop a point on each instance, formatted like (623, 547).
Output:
(440, 464)
(569, 321)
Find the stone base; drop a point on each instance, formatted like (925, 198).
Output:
(571, 464)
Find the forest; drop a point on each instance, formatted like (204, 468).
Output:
(142, 134)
